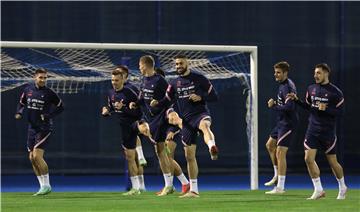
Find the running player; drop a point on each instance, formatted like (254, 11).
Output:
(42, 105)
(280, 136)
(173, 136)
(141, 161)
(191, 91)
(154, 87)
(325, 102)
(118, 103)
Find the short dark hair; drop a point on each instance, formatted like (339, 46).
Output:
(117, 72)
(323, 66)
(40, 71)
(148, 60)
(160, 71)
(283, 65)
(123, 69)
(181, 56)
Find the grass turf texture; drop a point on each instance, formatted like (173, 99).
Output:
(292, 200)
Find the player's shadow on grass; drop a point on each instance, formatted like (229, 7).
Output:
(107, 196)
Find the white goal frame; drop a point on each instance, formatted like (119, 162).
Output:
(254, 178)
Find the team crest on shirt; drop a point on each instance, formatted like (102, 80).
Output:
(178, 83)
(30, 93)
(326, 95)
(313, 92)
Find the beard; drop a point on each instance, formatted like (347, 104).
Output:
(181, 71)
(41, 84)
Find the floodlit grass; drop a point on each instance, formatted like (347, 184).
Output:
(292, 200)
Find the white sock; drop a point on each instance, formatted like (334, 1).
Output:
(281, 182)
(46, 179)
(341, 182)
(211, 143)
(167, 178)
(194, 185)
(41, 180)
(135, 182)
(141, 182)
(317, 184)
(172, 180)
(275, 171)
(140, 152)
(183, 179)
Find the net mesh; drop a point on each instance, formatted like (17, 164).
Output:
(70, 69)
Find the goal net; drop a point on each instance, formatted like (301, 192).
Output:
(71, 66)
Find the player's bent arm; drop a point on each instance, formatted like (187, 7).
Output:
(207, 92)
(168, 99)
(334, 110)
(288, 106)
(58, 109)
(19, 111)
(295, 98)
(132, 112)
(20, 106)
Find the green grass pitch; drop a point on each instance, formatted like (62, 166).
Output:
(292, 200)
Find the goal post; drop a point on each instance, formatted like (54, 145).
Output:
(106, 65)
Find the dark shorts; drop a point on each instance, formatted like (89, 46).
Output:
(177, 136)
(283, 135)
(158, 127)
(325, 142)
(190, 128)
(129, 135)
(37, 138)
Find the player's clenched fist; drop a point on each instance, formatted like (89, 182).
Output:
(132, 105)
(18, 116)
(195, 98)
(271, 103)
(105, 111)
(119, 105)
(292, 96)
(154, 103)
(144, 129)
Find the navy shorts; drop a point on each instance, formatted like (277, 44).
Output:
(283, 135)
(190, 128)
(158, 127)
(326, 142)
(37, 138)
(129, 135)
(177, 136)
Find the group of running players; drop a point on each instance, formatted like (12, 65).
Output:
(166, 113)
